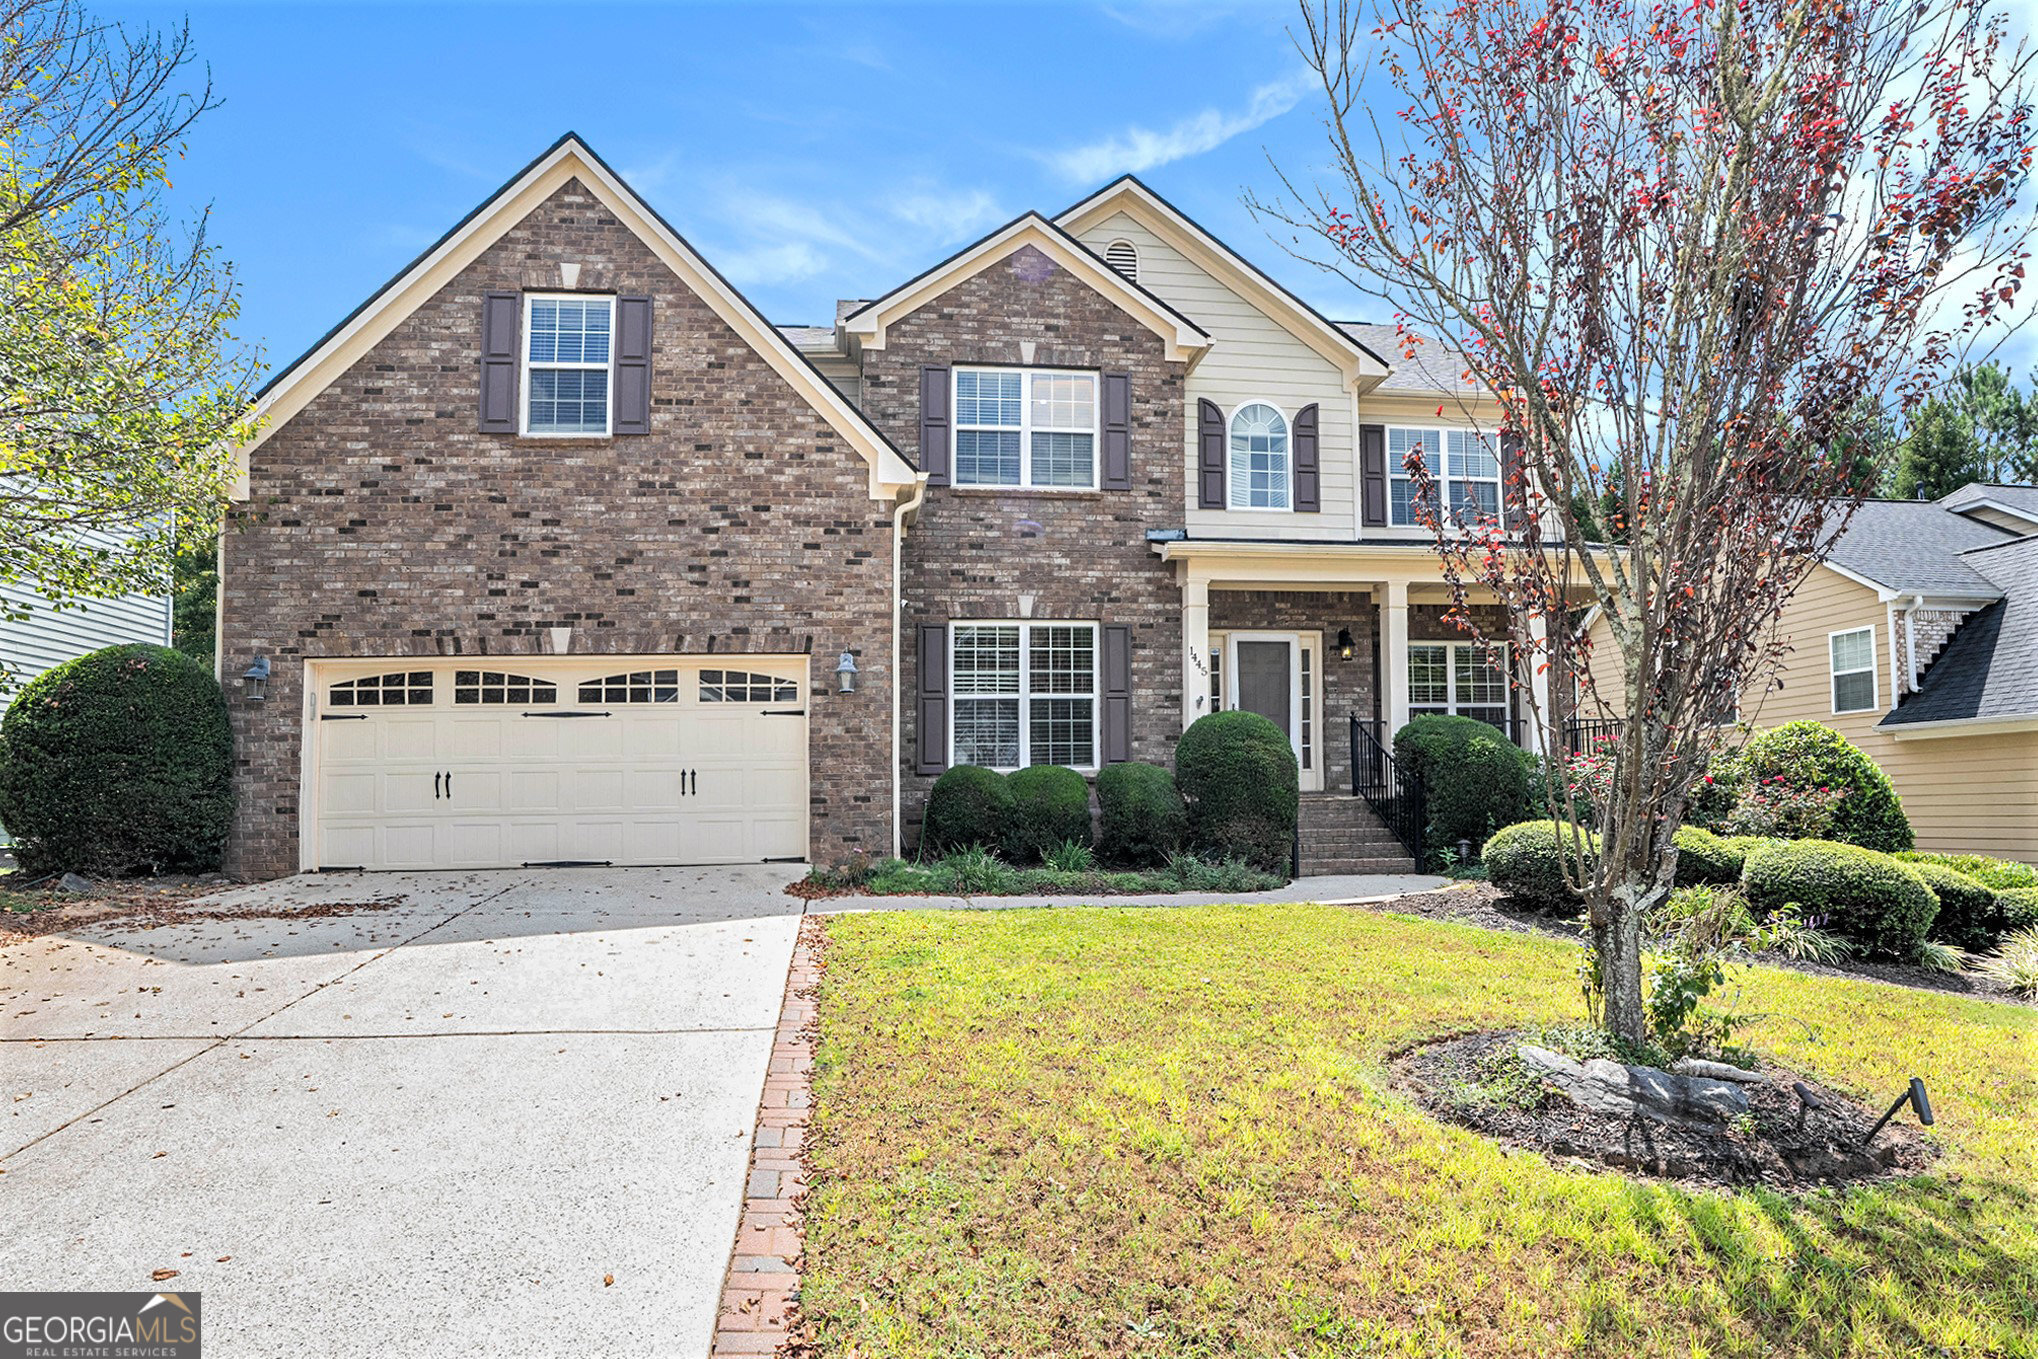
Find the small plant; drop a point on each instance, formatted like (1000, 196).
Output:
(1503, 1080)
(1787, 932)
(1936, 955)
(2014, 964)
(976, 869)
(1070, 856)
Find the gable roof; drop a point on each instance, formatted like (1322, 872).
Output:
(1185, 340)
(569, 158)
(1433, 370)
(1916, 547)
(2019, 501)
(1989, 670)
(1127, 194)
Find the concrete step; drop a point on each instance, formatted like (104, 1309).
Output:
(1320, 867)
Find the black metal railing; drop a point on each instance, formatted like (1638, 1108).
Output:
(1582, 735)
(1395, 794)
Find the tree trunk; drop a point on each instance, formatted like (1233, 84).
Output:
(1618, 941)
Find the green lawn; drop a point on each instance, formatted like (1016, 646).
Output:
(1169, 1132)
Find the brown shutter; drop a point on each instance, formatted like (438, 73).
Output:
(633, 366)
(1308, 464)
(1116, 725)
(1210, 443)
(934, 436)
(930, 725)
(1373, 475)
(1513, 489)
(501, 314)
(1117, 463)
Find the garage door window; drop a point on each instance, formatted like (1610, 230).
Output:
(492, 686)
(740, 686)
(409, 688)
(637, 686)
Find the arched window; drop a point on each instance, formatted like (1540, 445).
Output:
(1259, 458)
(1124, 257)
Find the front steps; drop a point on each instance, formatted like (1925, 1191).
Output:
(1340, 834)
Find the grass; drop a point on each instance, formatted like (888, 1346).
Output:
(1170, 1132)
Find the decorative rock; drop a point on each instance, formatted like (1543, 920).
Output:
(1607, 1087)
(1715, 1071)
(71, 882)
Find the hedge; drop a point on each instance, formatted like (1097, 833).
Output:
(1812, 755)
(968, 806)
(1141, 818)
(1474, 779)
(118, 762)
(1237, 773)
(1707, 860)
(1968, 912)
(1050, 804)
(1526, 861)
(1871, 898)
(2000, 874)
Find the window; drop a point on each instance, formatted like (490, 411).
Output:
(740, 686)
(493, 687)
(1124, 257)
(1023, 694)
(1259, 458)
(1463, 463)
(406, 688)
(1853, 659)
(637, 686)
(1025, 427)
(566, 364)
(1462, 679)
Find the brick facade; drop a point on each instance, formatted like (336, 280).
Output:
(1081, 555)
(1347, 686)
(381, 523)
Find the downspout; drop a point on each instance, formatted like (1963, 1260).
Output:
(899, 513)
(1895, 678)
(1911, 637)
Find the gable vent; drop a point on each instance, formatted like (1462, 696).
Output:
(1124, 257)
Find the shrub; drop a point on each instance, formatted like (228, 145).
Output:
(1879, 903)
(1999, 874)
(1474, 779)
(1968, 914)
(1236, 771)
(1526, 861)
(1050, 805)
(1141, 818)
(2019, 907)
(2014, 964)
(1070, 856)
(1711, 800)
(1705, 859)
(969, 805)
(1809, 755)
(118, 762)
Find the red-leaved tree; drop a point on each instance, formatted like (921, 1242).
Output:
(1684, 246)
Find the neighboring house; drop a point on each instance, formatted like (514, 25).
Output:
(49, 636)
(551, 548)
(1917, 640)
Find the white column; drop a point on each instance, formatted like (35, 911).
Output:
(1539, 678)
(1394, 656)
(1196, 660)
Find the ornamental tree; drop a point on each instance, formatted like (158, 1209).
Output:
(1686, 249)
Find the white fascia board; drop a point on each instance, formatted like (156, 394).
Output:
(1958, 726)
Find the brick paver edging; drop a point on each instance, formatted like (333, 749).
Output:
(758, 1314)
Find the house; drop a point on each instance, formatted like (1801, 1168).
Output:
(555, 550)
(34, 636)
(1917, 640)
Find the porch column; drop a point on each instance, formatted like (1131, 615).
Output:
(1394, 656)
(1539, 678)
(1196, 660)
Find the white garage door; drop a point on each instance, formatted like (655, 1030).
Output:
(500, 762)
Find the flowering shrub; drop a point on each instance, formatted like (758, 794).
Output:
(1784, 810)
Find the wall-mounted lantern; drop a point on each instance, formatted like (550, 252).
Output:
(255, 680)
(1345, 645)
(845, 674)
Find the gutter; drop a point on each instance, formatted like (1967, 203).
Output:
(899, 512)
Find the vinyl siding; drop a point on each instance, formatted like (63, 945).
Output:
(48, 637)
(1253, 358)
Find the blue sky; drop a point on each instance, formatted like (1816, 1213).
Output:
(811, 152)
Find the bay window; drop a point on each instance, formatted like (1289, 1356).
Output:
(1023, 694)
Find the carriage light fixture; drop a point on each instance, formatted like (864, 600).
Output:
(1344, 644)
(255, 680)
(845, 674)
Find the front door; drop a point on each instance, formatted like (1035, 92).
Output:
(1271, 673)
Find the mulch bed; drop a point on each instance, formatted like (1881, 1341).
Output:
(1481, 903)
(1788, 1147)
(151, 904)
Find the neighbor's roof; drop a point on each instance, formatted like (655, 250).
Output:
(1434, 369)
(2017, 500)
(1990, 667)
(1915, 546)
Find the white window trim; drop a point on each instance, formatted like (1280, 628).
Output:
(1025, 695)
(1231, 483)
(1454, 705)
(1833, 675)
(1027, 429)
(1395, 471)
(524, 371)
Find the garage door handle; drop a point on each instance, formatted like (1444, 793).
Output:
(435, 786)
(569, 714)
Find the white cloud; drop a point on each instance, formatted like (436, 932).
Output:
(1140, 148)
(949, 216)
(788, 262)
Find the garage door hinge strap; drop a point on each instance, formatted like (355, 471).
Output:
(785, 712)
(343, 717)
(569, 714)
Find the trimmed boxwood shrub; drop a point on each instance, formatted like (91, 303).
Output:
(1968, 912)
(2018, 907)
(2000, 874)
(1526, 861)
(1873, 899)
(1050, 804)
(1141, 818)
(969, 806)
(1237, 773)
(1705, 859)
(1474, 779)
(118, 762)
(1812, 755)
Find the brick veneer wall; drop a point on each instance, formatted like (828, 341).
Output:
(1081, 555)
(1348, 686)
(381, 523)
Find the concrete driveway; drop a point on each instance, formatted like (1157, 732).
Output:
(435, 1127)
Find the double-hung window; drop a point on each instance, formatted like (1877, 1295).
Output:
(1259, 458)
(1023, 694)
(1463, 679)
(1463, 466)
(567, 383)
(1852, 655)
(1025, 427)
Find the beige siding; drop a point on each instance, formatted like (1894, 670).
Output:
(1253, 358)
(1974, 794)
